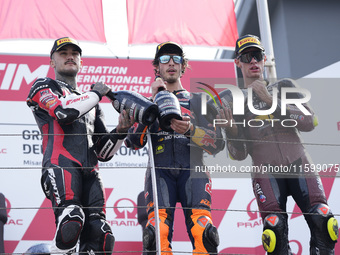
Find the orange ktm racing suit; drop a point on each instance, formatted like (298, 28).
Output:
(175, 158)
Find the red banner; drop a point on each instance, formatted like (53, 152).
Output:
(50, 19)
(17, 74)
(189, 22)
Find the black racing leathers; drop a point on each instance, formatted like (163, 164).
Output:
(72, 124)
(175, 158)
(74, 139)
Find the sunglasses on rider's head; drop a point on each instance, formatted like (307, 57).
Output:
(166, 59)
(248, 56)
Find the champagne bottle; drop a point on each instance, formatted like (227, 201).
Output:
(169, 107)
(136, 105)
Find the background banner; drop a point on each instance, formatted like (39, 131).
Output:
(49, 19)
(235, 211)
(17, 74)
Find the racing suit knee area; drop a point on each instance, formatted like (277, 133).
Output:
(324, 230)
(97, 236)
(275, 234)
(70, 224)
(203, 231)
(323, 226)
(149, 233)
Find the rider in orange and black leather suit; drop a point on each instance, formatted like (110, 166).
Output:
(175, 156)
